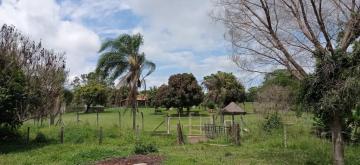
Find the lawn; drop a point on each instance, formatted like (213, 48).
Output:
(81, 144)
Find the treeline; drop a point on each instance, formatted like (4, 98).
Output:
(182, 91)
(32, 79)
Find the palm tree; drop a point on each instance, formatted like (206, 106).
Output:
(121, 59)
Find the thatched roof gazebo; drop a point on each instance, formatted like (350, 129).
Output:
(232, 109)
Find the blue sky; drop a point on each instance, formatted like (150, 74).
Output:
(179, 36)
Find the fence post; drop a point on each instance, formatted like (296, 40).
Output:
(62, 135)
(100, 135)
(180, 137)
(189, 123)
(142, 121)
(97, 118)
(120, 119)
(201, 126)
(237, 134)
(77, 117)
(285, 136)
(137, 133)
(28, 135)
(213, 119)
(168, 124)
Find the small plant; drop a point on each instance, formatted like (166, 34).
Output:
(144, 149)
(211, 105)
(272, 121)
(40, 138)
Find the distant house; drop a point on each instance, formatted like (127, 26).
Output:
(141, 100)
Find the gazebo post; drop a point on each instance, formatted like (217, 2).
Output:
(233, 119)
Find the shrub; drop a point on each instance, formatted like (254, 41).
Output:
(144, 149)
(40, 138)
(272, 121)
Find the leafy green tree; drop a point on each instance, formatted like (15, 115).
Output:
(250, 96)
(184, 91)
(223, 88)
(151, 94)
(282, 77)
(43, 71)
(91, 94)
(162, 97)
(118, 96)
(68, 96)
(121, 59)
(12, 95)
(333, 91)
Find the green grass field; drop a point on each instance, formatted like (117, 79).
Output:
(81, 144)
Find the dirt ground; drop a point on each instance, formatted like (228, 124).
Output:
(134, 159)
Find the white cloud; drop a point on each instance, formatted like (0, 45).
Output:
(41, 20)
(179, 34)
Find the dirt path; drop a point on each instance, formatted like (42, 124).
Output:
(134, 159)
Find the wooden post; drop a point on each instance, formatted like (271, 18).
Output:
(97, 118)
(180, 138)
(168, 124)
(285, 136)
(142, 121)
(137, 133)
(189, 123)
(77, 117)
(62, 135)
(120, 119)
(201, 126)
(213, 119)
(28, 135)
(237, 134)
(233, 119)
(100, 135)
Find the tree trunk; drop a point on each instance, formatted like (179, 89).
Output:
(187, 110)
(55, 110)
(87, 108)
(337, 141)
(134, 116)
(52, 119)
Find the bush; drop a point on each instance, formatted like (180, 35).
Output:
(40, 138)
(7, 134)
(144, 149)
(273, 121)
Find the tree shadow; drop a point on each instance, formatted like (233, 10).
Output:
(17, 147)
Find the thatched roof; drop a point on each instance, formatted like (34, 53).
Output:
(233, 109)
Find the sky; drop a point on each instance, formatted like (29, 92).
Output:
(179, 35)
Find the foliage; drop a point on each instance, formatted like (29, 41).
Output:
(332, 92)
(250, 96)
(117, 96)
(184, 91)
(210, 105)
(68, 96)
(223, 88)
(32, 78)
(40, 138)
(141, 148)
(91, 94)
(278, 91)
(281, 77)
(162, 97)
(272, 121)
(151, 94)
(12, 94)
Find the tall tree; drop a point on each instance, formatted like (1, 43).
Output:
(294, 35)
(43, 70)
(121, 59)
(184, 91)
(223, 88)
